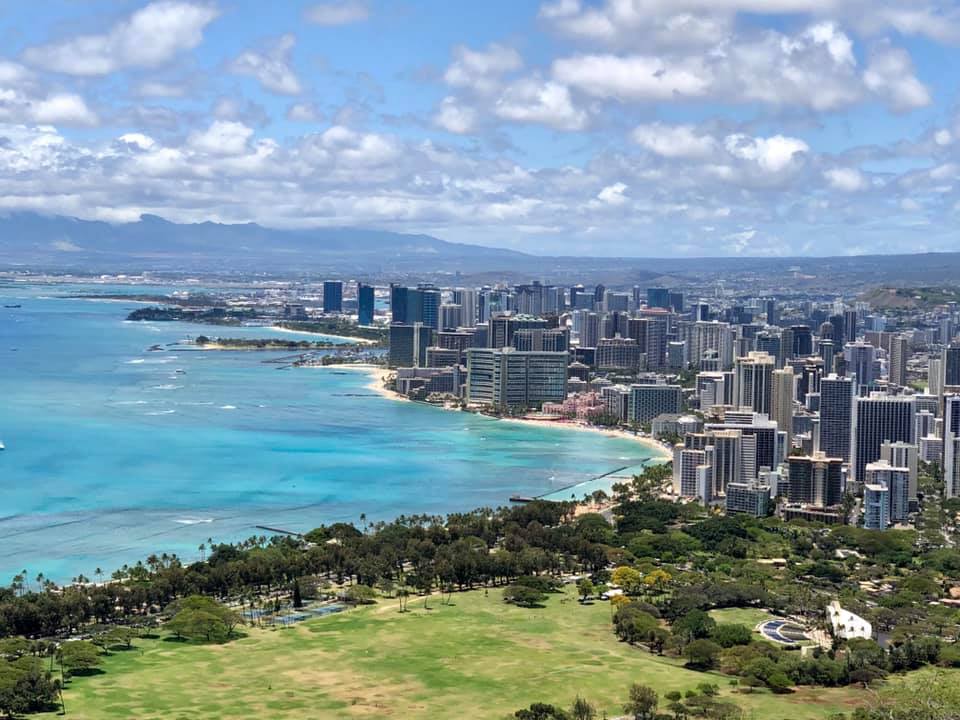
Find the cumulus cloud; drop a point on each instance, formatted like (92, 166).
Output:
(547, 103)
(271, 66)
(306, 112)
(676, 141)
(151, 36)
(454, 117)
(773, 154)
(481, 70)
(223, 137)
(890, 76)
(338, 13)
(845, 179)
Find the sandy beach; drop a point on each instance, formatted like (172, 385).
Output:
(378, 376)
(661, 450)
(357, 340)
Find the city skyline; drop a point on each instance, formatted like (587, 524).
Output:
(803, 127)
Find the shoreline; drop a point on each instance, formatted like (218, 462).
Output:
(355, 340)
(378, 374)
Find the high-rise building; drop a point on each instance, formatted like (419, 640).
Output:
(950, 360)
(503, 328)
(451, 316)
(935, 376)
(897, 481)
(836, 411)
(802, 338)
(467, 300)
(860, 358)
(750, 498)
(951, 445)
(618, 354)
(815, 480)
(850, 325)
(553, 340)
(876, 506)
(904, 455)
(366, 303)
(332, 296)
(648, 401)
(408, 344)
(899, 354)
(781, 401)
(753, 381)
(658, 298)
(398, 303)
(876, 419)
(507, 378)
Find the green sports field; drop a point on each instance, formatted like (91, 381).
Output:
(475, 658)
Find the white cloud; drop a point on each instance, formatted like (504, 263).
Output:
(533, 101)
(890, 76)
(62, 109)
(154, 88)
(151, 36)
(634, 77)
(481, 70)
(613, 194)
(338, 13)
(271, 67)
(845, 179)
(674, 141)
(773, 154)
(223, 137)
(454, 117)
(304, 112)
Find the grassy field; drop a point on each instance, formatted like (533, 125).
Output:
(475, 658)
(750, 617)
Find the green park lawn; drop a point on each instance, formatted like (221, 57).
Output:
(751, 617)
(476, 658)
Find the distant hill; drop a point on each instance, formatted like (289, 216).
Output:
(155, 243)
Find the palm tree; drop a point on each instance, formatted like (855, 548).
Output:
(363, 519)
(98, 573)
(203, 552)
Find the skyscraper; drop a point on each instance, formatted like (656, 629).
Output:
(836, 408)
(658, 298)
(466, 299)
(398, 303)
(507, 378)
(860, 358)
(899, 354)
(951, 445)
(935, 376)
(950, 359)
(753, 381)
(332, 296)
(850, 325)
(365, 304)
(876, 419)
(781, 401)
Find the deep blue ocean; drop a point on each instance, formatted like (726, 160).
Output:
(114, 451)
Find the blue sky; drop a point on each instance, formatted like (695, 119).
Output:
(616, 127)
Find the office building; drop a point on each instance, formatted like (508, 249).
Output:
(950, 361)
(467, 299)
(935, 376)
(332, 296)
(366, 303)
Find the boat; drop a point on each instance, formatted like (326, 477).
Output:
(2, 446)
(13, 307)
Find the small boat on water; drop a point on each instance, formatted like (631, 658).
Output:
(13, 307)
(2, 446)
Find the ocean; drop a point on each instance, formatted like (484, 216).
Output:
(114, 451)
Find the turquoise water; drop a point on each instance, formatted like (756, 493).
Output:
(115, 452)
